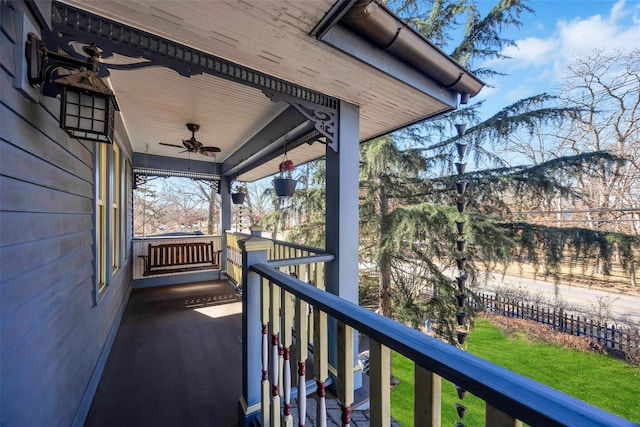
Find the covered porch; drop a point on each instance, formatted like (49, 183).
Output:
(310, 78)
(253, 99)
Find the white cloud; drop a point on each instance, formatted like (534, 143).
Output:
(580, 36)
(538, 63)
(530, 51)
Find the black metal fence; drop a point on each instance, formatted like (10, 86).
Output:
(623, 342)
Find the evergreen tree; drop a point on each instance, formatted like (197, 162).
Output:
(408, 198)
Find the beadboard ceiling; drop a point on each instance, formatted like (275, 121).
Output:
(267, 35)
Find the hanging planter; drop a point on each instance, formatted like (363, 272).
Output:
(237, 198)
(239, 194)
(460, 263)
(285, 185)
(460, 226)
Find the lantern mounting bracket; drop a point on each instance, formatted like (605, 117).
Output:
(42, 62)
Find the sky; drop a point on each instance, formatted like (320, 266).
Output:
(550, 38)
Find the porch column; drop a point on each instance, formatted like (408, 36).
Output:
(342, 218)
(254, 251)
(225, 216)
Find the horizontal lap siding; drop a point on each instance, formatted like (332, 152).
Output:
(52, 330)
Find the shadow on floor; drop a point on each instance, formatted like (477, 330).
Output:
(175, 360)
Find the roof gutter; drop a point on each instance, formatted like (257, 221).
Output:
(382, 27)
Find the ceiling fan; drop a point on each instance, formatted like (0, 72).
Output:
(193, 145)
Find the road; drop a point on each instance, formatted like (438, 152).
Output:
(624, 308)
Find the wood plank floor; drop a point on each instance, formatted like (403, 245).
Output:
(176, 360)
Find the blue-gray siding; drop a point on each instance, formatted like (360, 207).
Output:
(53, 334)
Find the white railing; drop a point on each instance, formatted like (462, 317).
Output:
(311, 272)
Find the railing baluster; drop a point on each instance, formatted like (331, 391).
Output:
(380, 384)
(301, 355)
(320, 363)
(428, 398)
(302, 273)
(320, 284)
(345, 371)
(264, 318)
(275, 357)
(287, 324)
(497, 418)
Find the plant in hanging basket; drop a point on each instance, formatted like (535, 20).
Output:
(285, 185)
(286, 167)
(239, 194)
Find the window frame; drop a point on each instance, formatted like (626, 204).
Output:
(110, 219)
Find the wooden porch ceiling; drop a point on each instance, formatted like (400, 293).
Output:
(272, 37)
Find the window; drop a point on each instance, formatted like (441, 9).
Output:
(101, 217)
(116, 234)
(125, 191)
(111, 168)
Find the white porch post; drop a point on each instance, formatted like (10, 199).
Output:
(225, 216)
(254, 251)
(342, 218)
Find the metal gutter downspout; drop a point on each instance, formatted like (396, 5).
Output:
(379, 25)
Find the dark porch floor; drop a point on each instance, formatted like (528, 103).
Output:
(175, 360)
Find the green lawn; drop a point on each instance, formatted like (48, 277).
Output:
(603, 381)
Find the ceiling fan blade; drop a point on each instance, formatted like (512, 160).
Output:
(211, 149)
(170, 145)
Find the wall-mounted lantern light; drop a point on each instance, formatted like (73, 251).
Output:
(88, 105)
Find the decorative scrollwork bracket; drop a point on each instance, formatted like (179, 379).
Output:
(325, 118)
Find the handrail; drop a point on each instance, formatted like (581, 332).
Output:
(511, 393)
(301, 260)
(300, 247)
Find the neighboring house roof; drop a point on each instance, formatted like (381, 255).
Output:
(332, 48)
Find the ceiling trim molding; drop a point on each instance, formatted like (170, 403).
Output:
(71, 24)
